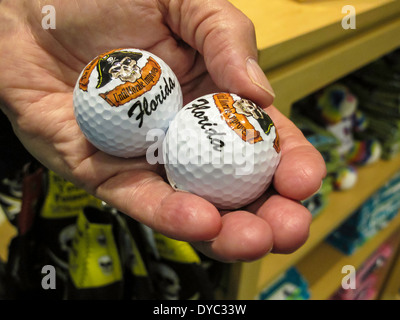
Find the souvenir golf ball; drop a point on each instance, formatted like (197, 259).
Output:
(123, 94)
(223, 148)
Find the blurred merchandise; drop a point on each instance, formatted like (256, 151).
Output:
(57, 215)
(289, 286)
(96, 251)
(367, 277)
(372, 216)
(94, 266)
(377, 87)
(14, 161)
(331, 121)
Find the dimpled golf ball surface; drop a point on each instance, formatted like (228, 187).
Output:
(222, 148)
(123, 94)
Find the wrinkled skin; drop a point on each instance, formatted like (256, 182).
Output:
(207, 44)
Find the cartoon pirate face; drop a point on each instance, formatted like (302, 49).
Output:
(247, 108)
(119, 65)
(125, 70)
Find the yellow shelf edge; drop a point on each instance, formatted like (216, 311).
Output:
(274, 55)
(305, 75)
(391, 290)
(278, 22)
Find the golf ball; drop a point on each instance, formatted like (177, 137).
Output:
(123, 94)
(223, 148)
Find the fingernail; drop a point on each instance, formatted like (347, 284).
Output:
(258, 77)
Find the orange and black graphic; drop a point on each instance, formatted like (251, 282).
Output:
(235, 114)
(236, 121)
(122, 65)
(84, 80)
(277, 145)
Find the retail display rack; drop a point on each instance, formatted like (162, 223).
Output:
(303, 47)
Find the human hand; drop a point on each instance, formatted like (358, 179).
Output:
(211, 47)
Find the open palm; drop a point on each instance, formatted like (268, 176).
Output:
(208, 53)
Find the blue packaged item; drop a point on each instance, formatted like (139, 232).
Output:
(368, 219)
(289, 286)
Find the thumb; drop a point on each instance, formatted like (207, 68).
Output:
(226, 39)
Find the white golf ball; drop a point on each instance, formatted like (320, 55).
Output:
(222, 148)
(123, 94)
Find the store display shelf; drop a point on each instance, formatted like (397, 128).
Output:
(322, 268)
(318, 48)
(331, 63)
(248, 279)
(302, 48)
(392, 284)
(287, 29)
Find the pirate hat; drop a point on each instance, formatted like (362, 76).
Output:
(106, 62)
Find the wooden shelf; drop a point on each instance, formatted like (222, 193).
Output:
(248, 279)
(303, 47)
(287, 29)
(322, 267)
(391, 289)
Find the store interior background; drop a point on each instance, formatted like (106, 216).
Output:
(304, 49)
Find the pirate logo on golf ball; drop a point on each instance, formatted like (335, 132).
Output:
(138, 82)
(123, 66)
(236, 114)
